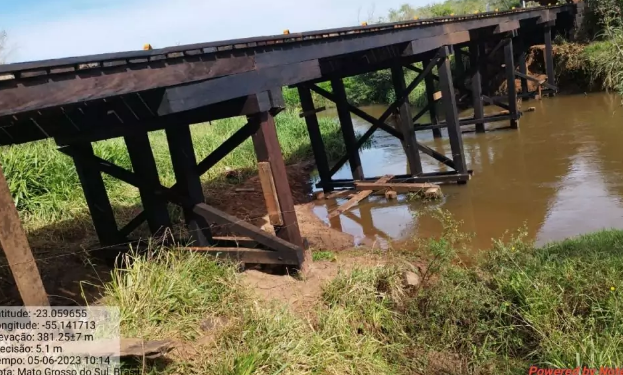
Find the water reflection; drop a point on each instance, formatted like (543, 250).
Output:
(561, 173)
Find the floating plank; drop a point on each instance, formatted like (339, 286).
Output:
(17, 250)
(339, 194)
(398, 187)
(360, 196)
(270, 193)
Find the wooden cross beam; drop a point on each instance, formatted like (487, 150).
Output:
(17, 251)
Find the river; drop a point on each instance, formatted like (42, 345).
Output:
(561, 174)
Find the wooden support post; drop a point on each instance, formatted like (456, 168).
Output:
(452, 116)
(188, 181)
(523, 69)
(348, 131)
(144, 165)
(430, 92)
(95, 195)
(510, 82)
(270, 193)
(267, 149)
(479, 112)
(315, 137)
(405, 124)
(459, 67)
(17, 251)
(549, 56)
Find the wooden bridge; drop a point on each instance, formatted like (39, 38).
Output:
(80, 100)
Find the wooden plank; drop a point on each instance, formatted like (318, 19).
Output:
(405, 124)
(454, 127)
(360, 196)
(540, 82)
(17, 250)
(506, 26)
(270, 193)
(422, 45)
(397, 187)
(267, 149)
(95, 193)
(479, 112)
(311, 112)
(339, 194)
(146, 171)
(245, 229)
(228, 146)
(347, 128)
(188, 181)
(510, 84)
(315, 136)
(124, 81)
(250, 256)
(187, 97)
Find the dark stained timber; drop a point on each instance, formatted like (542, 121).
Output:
(267, 150)
(188, 181)
(510, 81)
(405, 123)
(313, 128)
(144, 165)
(430, 97)
(452, 117)
(95, 194)
(479, 111)
(549, 55)
(348, 131)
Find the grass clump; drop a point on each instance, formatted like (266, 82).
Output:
(319, 256)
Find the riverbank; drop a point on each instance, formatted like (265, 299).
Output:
(407, 311)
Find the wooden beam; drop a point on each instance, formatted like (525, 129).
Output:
(95, 193)
(348, 131)
(146, 171)
(248, 230)
(479, 112)
(360, 196)
(187, 97)
(117, 82)
(540, 82)
(422, 45)
(188, 181)
(405, 124)
(506, 27)
(315, 136)
(510, 84)
(449, 102)
(270, 193)
(267, 149)
(17, 251)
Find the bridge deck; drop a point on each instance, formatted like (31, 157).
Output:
(76, 97)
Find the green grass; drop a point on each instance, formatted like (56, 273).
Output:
(319, 256)
(557, 306)
(46, 188)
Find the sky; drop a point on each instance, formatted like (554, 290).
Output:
(47, 29)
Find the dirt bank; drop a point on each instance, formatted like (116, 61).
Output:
(245, 200)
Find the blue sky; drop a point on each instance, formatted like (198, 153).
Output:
(45, 29)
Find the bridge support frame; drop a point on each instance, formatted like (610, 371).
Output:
(459, 173)
(286, 247)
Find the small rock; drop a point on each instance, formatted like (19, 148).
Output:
(319, 195)
(411, 279)
(212, 323)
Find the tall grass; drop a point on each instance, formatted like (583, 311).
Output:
(556, 306)
(46, 188)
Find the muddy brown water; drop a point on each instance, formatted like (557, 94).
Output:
(561, 173)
